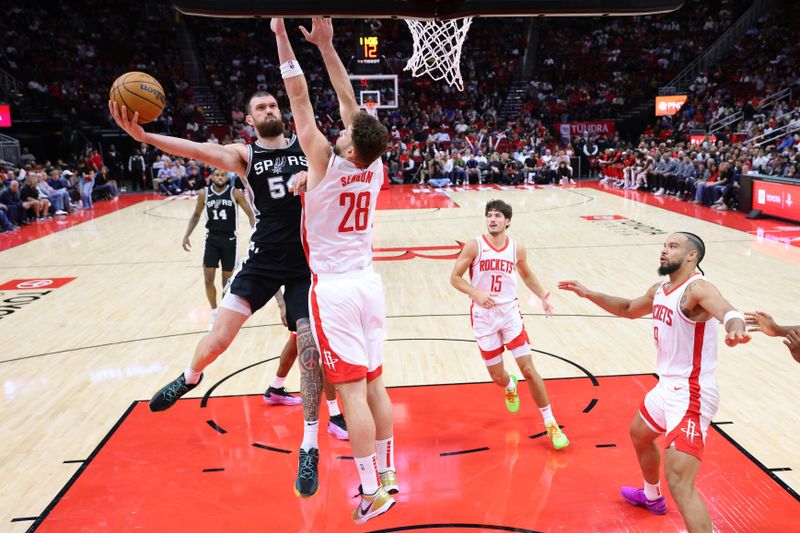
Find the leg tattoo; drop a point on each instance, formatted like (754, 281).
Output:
(310, 371)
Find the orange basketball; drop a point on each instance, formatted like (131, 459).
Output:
(139, 91)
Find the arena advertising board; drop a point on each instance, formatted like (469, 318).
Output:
(669, 105)
(777, 199)
(596, 128)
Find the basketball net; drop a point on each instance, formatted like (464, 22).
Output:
(437, 49)
(371, 108)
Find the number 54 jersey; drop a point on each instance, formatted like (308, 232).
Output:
(338, 215)
(269, 175)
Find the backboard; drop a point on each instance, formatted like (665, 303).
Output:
(422, 9)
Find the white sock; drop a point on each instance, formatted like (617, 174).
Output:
(368, 472)
(511, 385)
(333, 407)
(652, 492)
(310, 431)
(214, 312)
(547, 414)
(277, 383)
(385, 454)
(191, 376)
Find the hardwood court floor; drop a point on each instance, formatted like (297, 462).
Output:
(75, 357)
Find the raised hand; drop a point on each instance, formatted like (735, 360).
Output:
(131, 126)
(277, 26)
(321, 32)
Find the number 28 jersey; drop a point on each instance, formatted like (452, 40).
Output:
(338, 214)
(494, 270)
(267, 181)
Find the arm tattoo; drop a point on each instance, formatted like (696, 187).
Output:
(310, 371)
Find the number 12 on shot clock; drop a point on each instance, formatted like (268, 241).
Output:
(369, 46)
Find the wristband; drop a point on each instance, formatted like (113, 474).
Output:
(732, 314)
(291, 69)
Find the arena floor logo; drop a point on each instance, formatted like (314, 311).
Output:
(624, 226)
(405, 253)
(11, 304)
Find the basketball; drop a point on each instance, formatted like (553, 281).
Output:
(139, 91)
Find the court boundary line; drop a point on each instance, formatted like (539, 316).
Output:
(50, 506)
(782, 484)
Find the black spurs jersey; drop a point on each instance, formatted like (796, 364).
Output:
(221, 210)
(268, 177)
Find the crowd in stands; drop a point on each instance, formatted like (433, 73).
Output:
(590, 69)
(765, 61)
(33, 192)
(67, 54)
(586, 69)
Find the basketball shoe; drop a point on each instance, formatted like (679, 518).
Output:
(557, 436)
(636, 497)
(373, 505)
(389, 481)
(167, 396)
(280, 396)
(307, 480)
(512, 397)
(338, 427)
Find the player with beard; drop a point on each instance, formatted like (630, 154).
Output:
(276, 258)
(687, 311)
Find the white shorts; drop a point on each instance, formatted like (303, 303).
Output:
(498, 327)
(347, 317)
(682, 412)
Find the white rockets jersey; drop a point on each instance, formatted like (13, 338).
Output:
(686, 349)
(495, 270)
(338, 214)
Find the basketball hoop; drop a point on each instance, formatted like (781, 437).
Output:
(437, 49)
(371, 108)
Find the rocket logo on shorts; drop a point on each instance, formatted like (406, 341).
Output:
(329, 359)
(690, 431)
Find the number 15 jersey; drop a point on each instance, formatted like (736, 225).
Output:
(338, 215)
(494, 270)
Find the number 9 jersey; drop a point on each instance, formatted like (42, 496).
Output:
(338, 236)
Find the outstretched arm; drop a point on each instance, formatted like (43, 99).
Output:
(532, 282)
(312, 141)
(636, 308)
(238, 195)
(198, 211)
(321, 35)
(705, 295)
(229, 157)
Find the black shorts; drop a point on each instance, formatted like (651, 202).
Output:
(266, 269)
(220, 247)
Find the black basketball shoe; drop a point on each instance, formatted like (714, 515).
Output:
(307, 479)
(166, 397)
